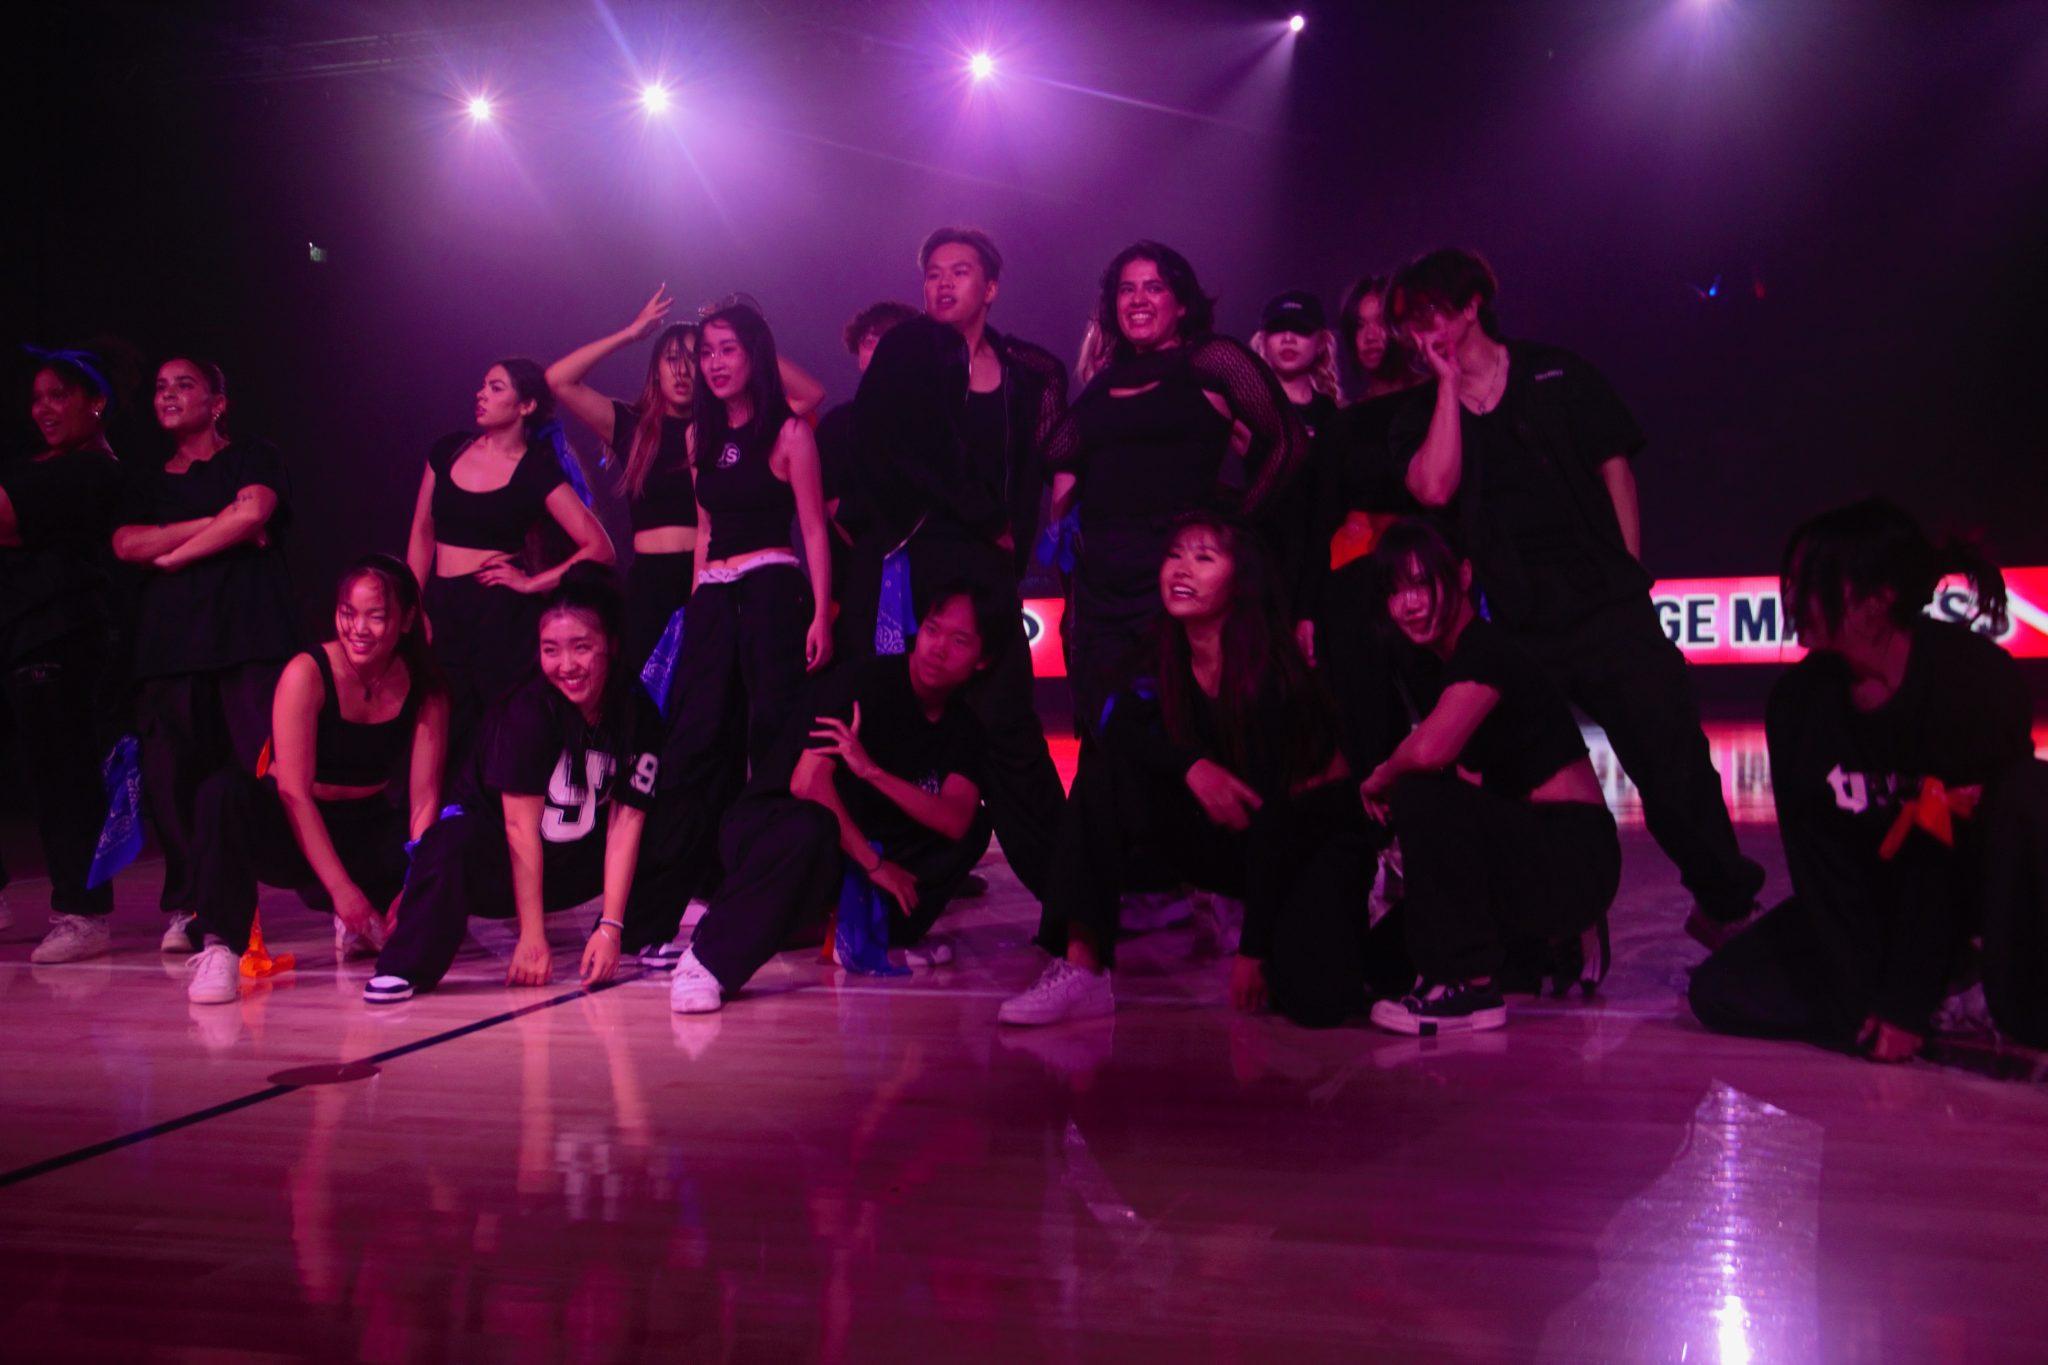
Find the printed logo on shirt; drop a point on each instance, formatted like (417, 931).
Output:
(572, 810)
(1858, 792)
(1544, 376)
(930, 783)
(729, 456)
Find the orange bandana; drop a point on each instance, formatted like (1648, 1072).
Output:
(1934, 809)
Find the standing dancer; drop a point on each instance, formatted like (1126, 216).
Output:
(349, 716)
(552, 808)
(1530, 449)
(1294, 340)
(756, 626)
(214, 620)
(839, 470)
(951, 424)
(1145, 442)
(56, 508)
(483, 494)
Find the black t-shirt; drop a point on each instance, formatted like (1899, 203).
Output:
(897, 735)
(1537, 516)
(1529, 736)
(1317, 414)
(667, 498)
(1367, 475)
(54, 582)
(234, 607)
(985, 441)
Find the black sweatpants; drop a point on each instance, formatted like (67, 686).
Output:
(463, 867)
(245, 839)
(487, 641)
(1304, 870)
(49, 693)
(1355, 656)
(1484, 872)
(740, 673)
(657, 586)
(192, 725)
(1619, 667)
(1811, 968)
(783, 871)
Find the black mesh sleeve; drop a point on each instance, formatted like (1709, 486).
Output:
(1279, 440)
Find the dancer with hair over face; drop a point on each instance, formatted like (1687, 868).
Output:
(552, 807)
(484, 493)
(350, 716)
(1505, 837)
(1913, 810)
(1531, 452)
(951, 424)
(56, 508)
(214, 620)
(1217, 768)
(854, 578)
(1146, 441)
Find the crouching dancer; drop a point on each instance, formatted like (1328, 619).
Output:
(551, 806)
(890, 782)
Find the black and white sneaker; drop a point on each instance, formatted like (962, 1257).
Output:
(386, 990)
(1429, 1010)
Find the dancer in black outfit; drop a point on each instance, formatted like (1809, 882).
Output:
(647, 442)
(839, 472)
(1221, 767)
(756, 623)
(552, 807)
(1914, 813)
(484, 493)
(349, 717)
(1147, 441)
(214, 621)
(1527, 852)
(1295, 341)
(888, 778)
(950, 425)
(56, 508)
(1530, 449)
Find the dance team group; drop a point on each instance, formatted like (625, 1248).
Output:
(1311, 645)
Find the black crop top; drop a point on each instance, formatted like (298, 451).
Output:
(353, 753)
(1529, 736)
(501, 518)
(750, 508)
(667, 498)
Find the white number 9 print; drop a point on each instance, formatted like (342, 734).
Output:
(572, 810)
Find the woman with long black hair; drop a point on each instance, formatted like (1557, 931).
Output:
(1216, 768)
(56, 508)
(348, 718)
(1146, 441)
(214, 620)
(483, 495)
(1505, 839)
(759, 615)
(1913, 810)
(647, 443)
(552, 806)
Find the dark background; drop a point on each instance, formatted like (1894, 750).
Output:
(1865, 180)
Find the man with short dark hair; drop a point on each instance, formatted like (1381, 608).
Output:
(950, 426)
(1529, 449)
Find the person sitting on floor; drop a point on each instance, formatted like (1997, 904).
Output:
(1913, 810)
(889, 783)
(1220, 771)
(1504, 836)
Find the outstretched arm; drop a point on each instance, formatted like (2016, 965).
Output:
(565, 376)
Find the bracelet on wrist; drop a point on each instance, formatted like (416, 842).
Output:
(615, 925)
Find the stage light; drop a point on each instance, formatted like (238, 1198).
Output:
(1297, 23)
(480, 109)
(654, 98)
(981, 66)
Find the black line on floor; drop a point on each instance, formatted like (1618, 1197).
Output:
(156, 1130)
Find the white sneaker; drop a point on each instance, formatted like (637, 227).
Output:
(73, 938)
(1063, 991)
(348, 943)
(216, 972)
(933, 952)
(178, 935)
(694, 990)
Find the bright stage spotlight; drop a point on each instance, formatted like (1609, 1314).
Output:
(480, 110)
(981, 66)
(654, 98)
(1297, 23)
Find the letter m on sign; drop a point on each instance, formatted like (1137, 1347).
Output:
(1755, 619)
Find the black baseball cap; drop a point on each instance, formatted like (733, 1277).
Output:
(1296, 311)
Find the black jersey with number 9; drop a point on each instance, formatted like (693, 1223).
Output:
(535, 743)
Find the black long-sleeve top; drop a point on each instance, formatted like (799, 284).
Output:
(1890, 929)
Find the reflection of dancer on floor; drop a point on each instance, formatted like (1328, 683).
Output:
(349, 715)
(1502, 828)
(1220, 771)
(1913, 811)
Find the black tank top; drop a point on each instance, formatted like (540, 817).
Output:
(667, 497)
(350, 753)
(750, 508)
(1151, 456)
(499, 519)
